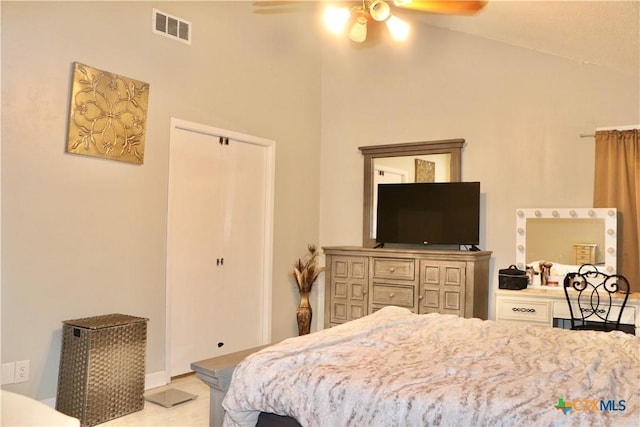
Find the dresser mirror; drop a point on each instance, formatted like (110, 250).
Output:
(429, 161)
(567, 238)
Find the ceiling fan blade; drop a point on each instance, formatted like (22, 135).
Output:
(451, 7)
(271, 3)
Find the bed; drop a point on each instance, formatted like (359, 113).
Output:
(396, 368)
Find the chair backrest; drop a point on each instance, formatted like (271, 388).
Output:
(593, 298)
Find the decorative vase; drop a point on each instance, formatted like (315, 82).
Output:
(303, 314)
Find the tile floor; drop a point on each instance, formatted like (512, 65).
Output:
(191, 413)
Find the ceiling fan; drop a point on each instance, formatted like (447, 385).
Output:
(356, 16)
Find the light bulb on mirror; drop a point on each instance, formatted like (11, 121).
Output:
(398, 29)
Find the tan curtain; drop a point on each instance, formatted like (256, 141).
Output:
(617, 185)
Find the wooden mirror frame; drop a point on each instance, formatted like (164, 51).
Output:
(372, 152)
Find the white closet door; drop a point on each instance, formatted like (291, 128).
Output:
(243, 236)
(215, 244)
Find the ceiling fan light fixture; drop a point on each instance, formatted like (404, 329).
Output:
(398, 29)
(336, 18)
(379, 10)
(358, 32)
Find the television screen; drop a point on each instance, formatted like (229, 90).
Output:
(443, 213)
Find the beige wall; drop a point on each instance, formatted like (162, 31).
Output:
(83, 236)
(520, 111)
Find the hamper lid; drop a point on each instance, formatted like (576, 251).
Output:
(104, 321)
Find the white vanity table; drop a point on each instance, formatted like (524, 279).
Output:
(552, 235)
(541, 306)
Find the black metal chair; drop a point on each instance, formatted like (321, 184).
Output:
(592, 305)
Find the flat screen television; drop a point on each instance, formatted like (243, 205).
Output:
(443, 213)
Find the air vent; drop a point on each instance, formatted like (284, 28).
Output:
(171, 26)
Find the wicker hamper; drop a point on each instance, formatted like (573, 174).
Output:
(102, 367)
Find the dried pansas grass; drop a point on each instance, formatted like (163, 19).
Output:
(306, 270)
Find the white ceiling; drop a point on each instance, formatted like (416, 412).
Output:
(602, 32)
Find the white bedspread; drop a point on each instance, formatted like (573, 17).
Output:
(395, 368)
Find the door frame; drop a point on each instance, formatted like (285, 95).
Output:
(266, 294)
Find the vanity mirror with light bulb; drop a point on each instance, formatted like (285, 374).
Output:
(564, 239)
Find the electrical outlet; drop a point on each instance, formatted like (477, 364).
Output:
(8, 373)
(22, 371)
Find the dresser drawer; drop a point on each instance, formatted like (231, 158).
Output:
(561, 311)
(391, 268)
(524, 311)
(386, 294)
(584, 259)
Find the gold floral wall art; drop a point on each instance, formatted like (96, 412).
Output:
(107, 116)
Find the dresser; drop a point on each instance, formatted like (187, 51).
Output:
(545, 307)
(584, 253)
(359, 281)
